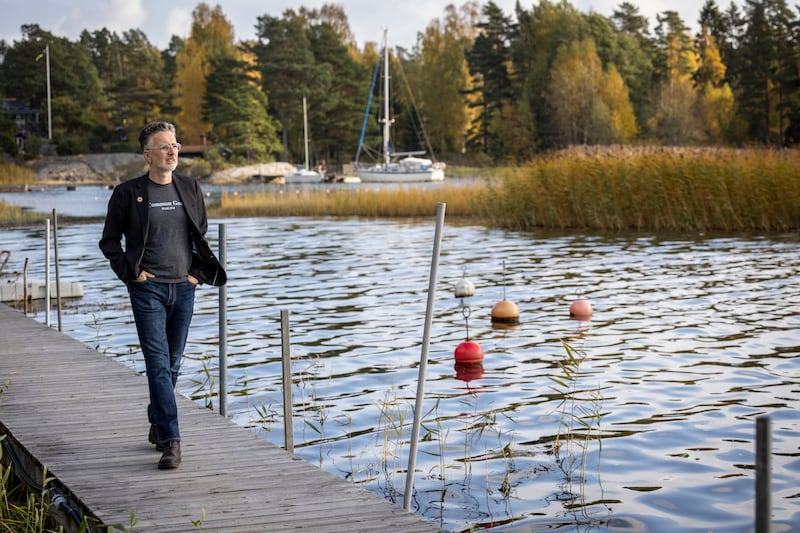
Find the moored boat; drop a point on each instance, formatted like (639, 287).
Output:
(395, 166)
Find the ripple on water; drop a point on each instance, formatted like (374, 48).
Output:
(650, 427)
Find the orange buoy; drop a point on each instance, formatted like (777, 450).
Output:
(469, 371)
(468, 352)
(580, 309)
(505, 312)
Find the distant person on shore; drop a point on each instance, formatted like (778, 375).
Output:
(162, 218)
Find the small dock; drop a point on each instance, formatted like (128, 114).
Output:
(81, 415)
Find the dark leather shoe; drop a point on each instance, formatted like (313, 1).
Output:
(171, 457)
(154, 439)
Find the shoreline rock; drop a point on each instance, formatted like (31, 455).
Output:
(88, 169)
(109, 169)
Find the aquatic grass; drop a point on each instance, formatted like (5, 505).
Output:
(392, 420)
(579, 426)
(606, 189)
(14, 215)
(12, 174)
(461, 200)
(651, 189)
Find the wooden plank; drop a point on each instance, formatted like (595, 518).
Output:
(82, 415)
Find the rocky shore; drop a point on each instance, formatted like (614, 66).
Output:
(108, 169)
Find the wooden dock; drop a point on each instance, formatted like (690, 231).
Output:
(81, 415)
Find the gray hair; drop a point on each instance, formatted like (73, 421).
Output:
(153, 128)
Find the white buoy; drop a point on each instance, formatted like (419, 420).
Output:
(464, 287)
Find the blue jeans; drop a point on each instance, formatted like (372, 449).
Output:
(163, 312)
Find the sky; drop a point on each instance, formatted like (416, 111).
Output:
(160, 19)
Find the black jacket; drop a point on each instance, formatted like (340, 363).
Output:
(128, 216)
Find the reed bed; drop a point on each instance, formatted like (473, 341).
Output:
(461, 200)
(652, 190)
(11, 174)
(15, 216)
(606, 189)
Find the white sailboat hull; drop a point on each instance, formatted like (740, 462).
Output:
(410, 169)
(303, 176)
(389, 174)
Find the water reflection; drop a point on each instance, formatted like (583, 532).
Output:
(690, 339)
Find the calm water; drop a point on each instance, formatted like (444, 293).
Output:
(652, 429)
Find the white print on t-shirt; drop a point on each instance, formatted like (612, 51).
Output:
(166, 206)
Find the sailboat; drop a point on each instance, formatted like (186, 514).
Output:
(395, 166)
(304, 174)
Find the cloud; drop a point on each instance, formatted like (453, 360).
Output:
(178, 22)
(116, 16)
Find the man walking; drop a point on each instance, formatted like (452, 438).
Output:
(162, 217)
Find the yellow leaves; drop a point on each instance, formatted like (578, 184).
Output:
(211, 36)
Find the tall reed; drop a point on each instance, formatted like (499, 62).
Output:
(655, 189)
(16, 174)
(461, 200)
(610, 189)
(14, 215)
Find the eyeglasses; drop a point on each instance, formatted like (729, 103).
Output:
(166, 147)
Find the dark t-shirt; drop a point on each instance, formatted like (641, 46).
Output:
(168, 250)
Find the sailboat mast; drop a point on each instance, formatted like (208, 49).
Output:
(305, 132)
(386, 122)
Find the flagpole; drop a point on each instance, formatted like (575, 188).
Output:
(49, 108)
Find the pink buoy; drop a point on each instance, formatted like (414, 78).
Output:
(469, 352)
(580, 309)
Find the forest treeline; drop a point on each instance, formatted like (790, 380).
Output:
(483, 85)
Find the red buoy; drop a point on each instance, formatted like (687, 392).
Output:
(469, 352)
(580, 309)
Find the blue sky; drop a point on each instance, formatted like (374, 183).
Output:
(159, 19)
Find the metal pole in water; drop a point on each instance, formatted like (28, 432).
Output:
(58, 279)
(423, 359)
(286, 367)
(47, 271)
(763, 445)
(223, 330)
(25, 288)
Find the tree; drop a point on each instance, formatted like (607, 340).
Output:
(716, 104)
(622, 125)
(674, 120)
(542, 33)
(489, 63)
(769, 58)
(237, 110)
(635, 62)
(590, 106)
(335, 118)
(288, 72)
(573, 92)
(75, 85)
(443, 46)
(210, 39)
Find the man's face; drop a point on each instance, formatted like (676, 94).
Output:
(158, 159)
